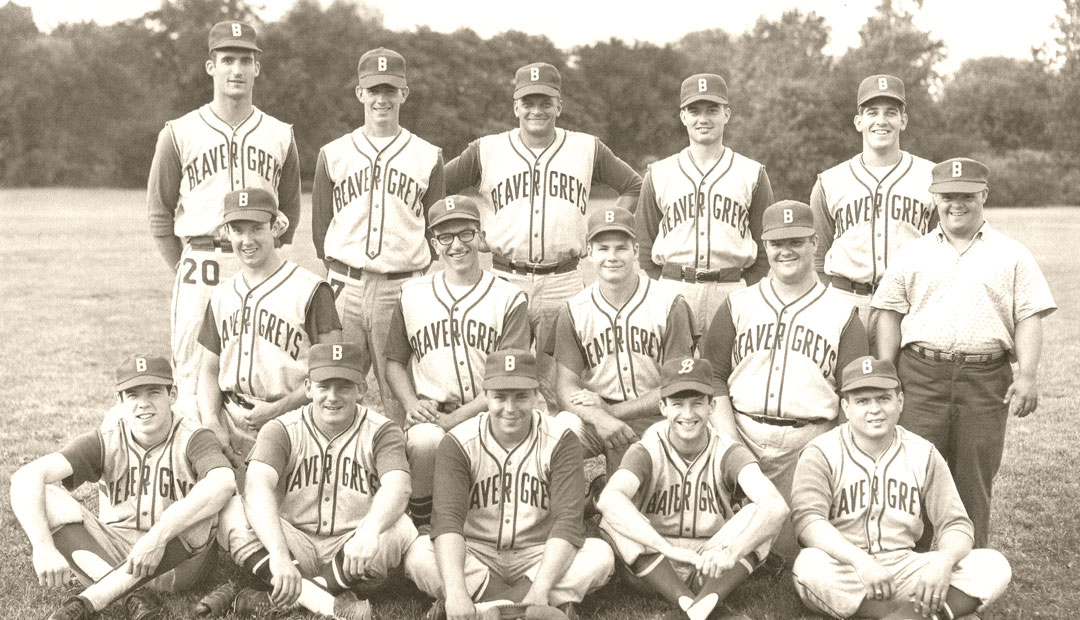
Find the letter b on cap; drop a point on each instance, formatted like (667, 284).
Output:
(702, 85)
(336, 353)
(687, 367)
(957, 169)
(140, 364)
(789, 216)
(243, 199)
(382, 63)
(609, 216)
(237, 30)
(450, 204)
(534, 74)
(867, 367)
(510, 363)
(883, 83)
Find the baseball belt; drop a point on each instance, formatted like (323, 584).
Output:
(859, 288)
(774, 421)
(952, 356)
(209, 244)
(691, 274)
(539, 269)
(356, 273)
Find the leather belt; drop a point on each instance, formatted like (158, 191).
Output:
(691, 274)
(859, 288)
(356, 273)
(209, 244)
(952, 356)
(773, 421)
(237, 399)
(523, 267)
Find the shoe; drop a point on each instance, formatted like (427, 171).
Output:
(143, 604)
(595, 487)
(250, 601)
(218, 602)
(569, 610)
(74, 608)
(348, 607)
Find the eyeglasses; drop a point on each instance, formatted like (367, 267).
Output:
(463, 236)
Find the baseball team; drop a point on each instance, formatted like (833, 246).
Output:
(820, 387)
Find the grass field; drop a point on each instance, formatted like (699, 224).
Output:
(83, 287)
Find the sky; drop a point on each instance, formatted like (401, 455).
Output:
(969, 28)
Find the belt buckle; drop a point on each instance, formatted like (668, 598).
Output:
(700, 275)
(956, 357)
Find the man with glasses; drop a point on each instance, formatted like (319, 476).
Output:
(446, 323)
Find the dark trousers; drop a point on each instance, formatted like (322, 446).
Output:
(958, 407)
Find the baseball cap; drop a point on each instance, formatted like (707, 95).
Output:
(538, 77)
(343, 360)
(960, 175)
(381, 66)
(614, 218)
(510, 369)
(868, 372)
(233, 34)
(143, 369)
(254, 205)
(881, 85)
(703, 86)
(686, 374)
(787, 219)
(453, 208)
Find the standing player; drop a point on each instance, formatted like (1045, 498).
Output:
(509, 495)
(776, 348)
(161, 481)
(611, 340)
(955, 308)
(699, 215)
(860, 495)
(258, 328)
(667, 510)
(870, 205)
(225, 145)
(323, 512)
(535, 182)
(373, 188)
(447, 323)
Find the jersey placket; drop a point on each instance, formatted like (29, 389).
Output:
(536, 214)
(380, 167)
(462, 364)
(503, 465)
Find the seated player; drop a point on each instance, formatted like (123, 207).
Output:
(692, 550)
(860, 495)
(162, 481)
(509, 494)
(446, 324)
(258, 328)
(323, 513)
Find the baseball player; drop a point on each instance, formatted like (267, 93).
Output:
(161, 481)
(611, 340)
(668, 509)
(446, 324)
(259, 327)
(861, 493)
(776, 348)
(225, 145)
(955, 309)
(699, 215)
(866, 208)
(509, 494)
(323, 514)
(373, 188)
(535, 182)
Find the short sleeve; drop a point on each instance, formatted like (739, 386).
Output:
(1032, 293)
(272, 447)
(204, 453)
(208, 333)
(322, 316)
(86, 454)
(388, 448)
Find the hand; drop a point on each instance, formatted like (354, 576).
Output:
(877, 580)
(933, 584)
(460, 607)
(145, 554)
(448, 421)
(51, 567)
(535, 597)
(680, 554)
(586, 398)
(259, 414)
(358, 552)
(286, 580)
(426, 410)
(716, 562)
(1022, 397)
(614, 432)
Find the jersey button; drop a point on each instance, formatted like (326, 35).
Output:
(326, 499)
(507, 522)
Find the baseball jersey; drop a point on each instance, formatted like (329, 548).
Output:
(262, 333)
(706, 219)
(618, 351)
(448, 335)
(326, 484)
(369, 204)
(534, 201)
(864, 215)
(200, 158)
(876, 504)
(781, 360)
(136, 484)
(688, 498)
(510, 499)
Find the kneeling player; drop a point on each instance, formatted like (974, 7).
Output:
(691, 549)
(509, 494)
(858, 501)
(323, 514)
(162, 480)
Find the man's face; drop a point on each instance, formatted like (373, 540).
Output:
(961, 214)
(880, 122)
(536, 113)
(687, 414)
(872, 412)
(705, 121)
(792, 260)
(510, 411)
(614, 255)
(252, 242)
(458, 253)
(333, 401)
(148, 407)
(234, 72)
(382, 103)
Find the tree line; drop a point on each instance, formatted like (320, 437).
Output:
(83, 103)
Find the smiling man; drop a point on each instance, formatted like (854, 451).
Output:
(699, 214)
(956, 307)
(369, 203)
(777, 348)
